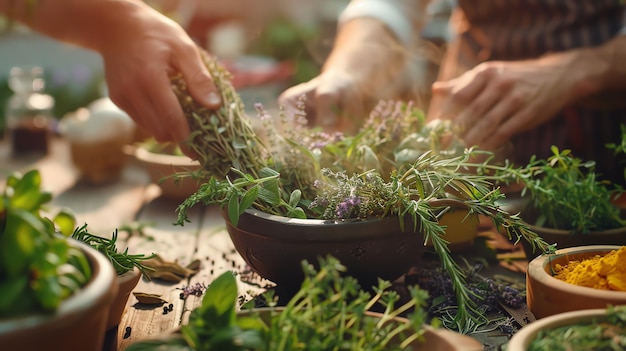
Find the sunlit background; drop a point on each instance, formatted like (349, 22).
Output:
(268, 45)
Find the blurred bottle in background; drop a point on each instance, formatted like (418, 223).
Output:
(28, 114)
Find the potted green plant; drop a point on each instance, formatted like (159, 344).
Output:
(588, 329)
(129, 268)
(394, 171)
(329, 312)
(55, 292)
(568, 203)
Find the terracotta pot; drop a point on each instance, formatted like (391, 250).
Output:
(568, 238)
(161, 166)
(434, 339)
(78, 324)
(547, 296)
(127, 282)
(274, 246)
(525, 336)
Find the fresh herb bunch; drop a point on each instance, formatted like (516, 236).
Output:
(567, 193)
(39, 266)
(224, 138)
(620, 149)
(329, 312)
(397, 165)
(595, 335)
(122, 260)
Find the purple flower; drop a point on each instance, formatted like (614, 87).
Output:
(346, 207)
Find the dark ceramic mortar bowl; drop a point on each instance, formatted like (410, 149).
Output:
(275, 246)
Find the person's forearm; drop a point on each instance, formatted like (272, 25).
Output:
(365, 42)
(601, 68)
(613, 54)
(87, 23)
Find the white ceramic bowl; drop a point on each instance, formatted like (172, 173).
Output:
(161, 167)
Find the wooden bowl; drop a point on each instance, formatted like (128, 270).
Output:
(80, 321)
(435, 339)
(161, 168)
(547, 296)
(569, 238)
(525, 336)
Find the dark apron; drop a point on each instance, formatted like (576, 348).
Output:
(523, 29)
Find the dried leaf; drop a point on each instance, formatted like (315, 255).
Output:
(170, 271)
(149, 299)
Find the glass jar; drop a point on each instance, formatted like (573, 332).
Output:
(28, 112)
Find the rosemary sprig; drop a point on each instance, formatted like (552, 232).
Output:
(122, 261)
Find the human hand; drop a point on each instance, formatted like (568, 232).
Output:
(146, 50)
(496, 100)
(331, 100)
(367, 64)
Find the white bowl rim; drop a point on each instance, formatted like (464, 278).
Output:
(522, 339)
(536, 269)
(175, 160)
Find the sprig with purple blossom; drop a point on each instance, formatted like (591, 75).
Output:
(487, 294)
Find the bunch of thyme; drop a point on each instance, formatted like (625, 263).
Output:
(568, 193)
(224, 138)
(329, 312)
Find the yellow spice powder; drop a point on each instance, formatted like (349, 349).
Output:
(607, 272)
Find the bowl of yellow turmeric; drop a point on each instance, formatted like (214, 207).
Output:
(576, 278)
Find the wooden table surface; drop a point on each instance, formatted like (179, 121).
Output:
(131, 201)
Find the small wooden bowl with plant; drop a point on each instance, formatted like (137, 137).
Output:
(568, 203)
(583, 277)
(601, 329)
(55, 291)
(330, 311)
(129, 268)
